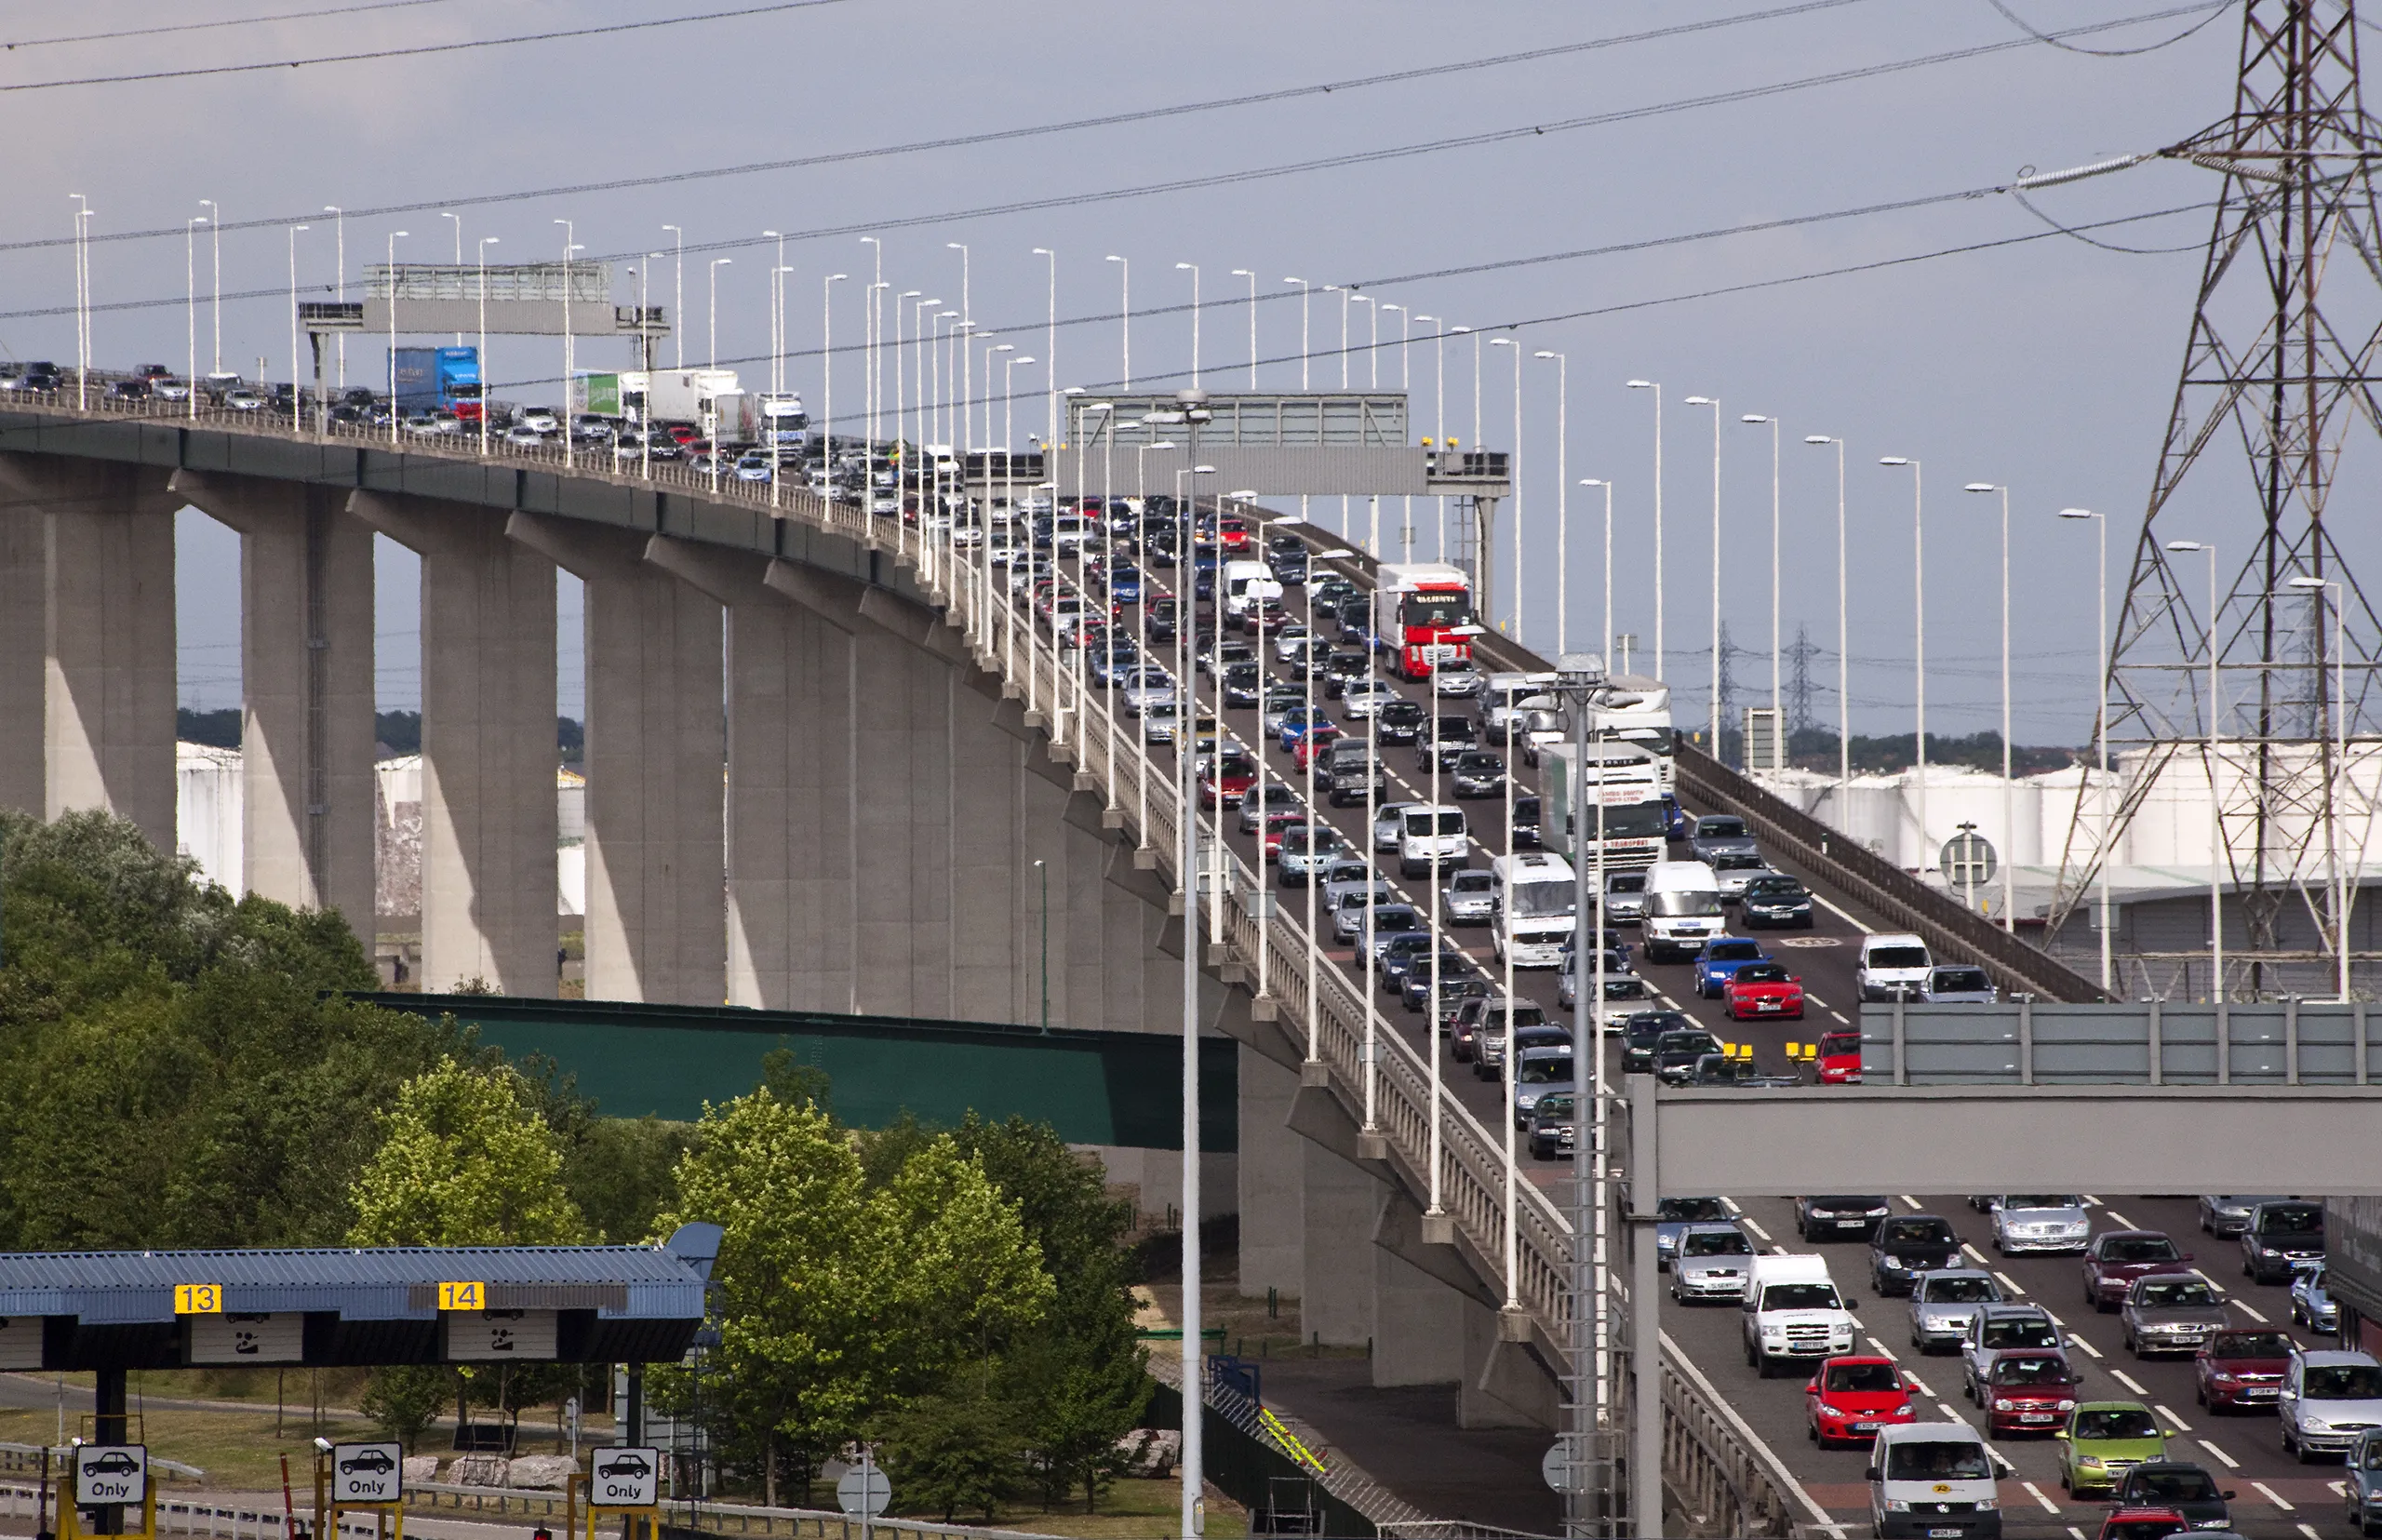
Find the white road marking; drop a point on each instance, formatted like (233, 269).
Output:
(1946, 1408)
(1909, 1201)
(2077, 1534)
(2246, 1308)
(1813, 999)
(2086, 1346)
(1755, 1226)
(1973, 1254)
(2339, 1489)
(2230, 1463)
(2091, 1201)
(2037, 1493)
(1753, 1439)
(1841, 1017)
(2010, 1283)
(2128, 1380)
(2123, 1222)
(1839, 913)
(2055, 1320)
(1883, 1351)
(2309, 1531)
(1922, 1385)
(2181, 1425)
(2273, 1496)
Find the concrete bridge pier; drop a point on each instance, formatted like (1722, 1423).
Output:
(307, 831)
(107, 637)
(487, 745)
(24, 644)
(656, 922)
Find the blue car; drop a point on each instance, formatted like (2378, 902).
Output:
(1720, 960)
(1124, 584)
(1296, 722)
(1674, 820)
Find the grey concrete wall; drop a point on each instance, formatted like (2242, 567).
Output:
(307, 831)
(488, 744)
(1271, 1179)
(108, 637)
(656, 920)
(1336, 1270)
(25, 641)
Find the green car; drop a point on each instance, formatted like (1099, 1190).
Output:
(2102, 1441)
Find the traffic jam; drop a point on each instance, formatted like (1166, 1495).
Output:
(1924, 1365)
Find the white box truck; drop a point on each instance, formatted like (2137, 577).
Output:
(1627, 782)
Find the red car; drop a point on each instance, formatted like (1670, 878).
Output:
(2241, 1370)
(1302, 752)
(1232, 531)
(2143, 1523)
(1275, 824)
(1234, 773)
(1839, 1058)
(1850, 1399)
(1763, 989)
(2115, 1258)
(2026, 1390)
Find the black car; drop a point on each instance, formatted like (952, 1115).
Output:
(1244, 683)
(1677, 1053)
(1641, 1032)
(1454, 989)
(1158, 620)
(1835, 1218)
(1456, 737)
(1399, 954)
(1454, 968)
(1341, 667)
(374, 1461)
(1776, 900)
(1479, 772)
(1907, 1244)
(1526, 824)
(1399, 722)
(2187, 1489)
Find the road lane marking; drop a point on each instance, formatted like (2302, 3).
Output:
(2037, 1493)
(2128, 1380)
(1813, 999)
(2089, 1348)
(1921, 1386)
(2309, 1531)
(2273, 1496)
(1755, 1226)
(2010, 1283)
(1973, 1254)
(2230, 1463)
(1839, 913)
(2247, 1309)
(2181, 1425)
(2339, 1489)
(1909, 1201)
(1841, 1017)
(1883, 1351)
(2123, 1222)
(1754, 1440)
(2077, 1534)
(2091, 1201)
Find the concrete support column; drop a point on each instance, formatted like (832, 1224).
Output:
(656, 747)
(1336, 1273)
(1271, 1179)
(1504, 1383)
(488, 887)
(306, 727)
(25, 643)
(791, 786)
(1418, 1319)
(108, 635)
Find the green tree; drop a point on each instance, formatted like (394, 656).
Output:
(403, 1400)
(465, 1161)
(955, 1450)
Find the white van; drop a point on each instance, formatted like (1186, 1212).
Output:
(1933, 1480)
(1429, 836)
(1892, 967)
(1682, 909)
(1532, 898)
(1247, 582)
(1793, 1313)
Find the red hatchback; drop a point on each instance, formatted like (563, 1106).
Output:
(2027, 1390)
(2115, 1258)
(2143, 1523)
(1850, 1399)
(1839, 1057)
(2241, 1370)
(1234, 774)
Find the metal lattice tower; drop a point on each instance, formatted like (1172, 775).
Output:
(1799, 681)
(2276, 397)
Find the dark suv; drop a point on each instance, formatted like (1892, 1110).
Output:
(2280, 1238)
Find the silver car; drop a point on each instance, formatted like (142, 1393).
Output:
(1388, 823)
(1624, 898)
(2312, 1303)
(1364, 697)
(2039, 1221)
(1710, 1262)
(1735, 869)
(1469, 898)
(1942, 1303)
(2362, 1490)
(1455, 680)
(1540, 1072)
(2224, 1215)
(2170, 1313)
(1958, 983)
(2330, 1400)
(1345, 902)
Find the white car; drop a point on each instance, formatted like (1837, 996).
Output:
(2041, 1221)
(1891, 967)
(543, 419)
(522, 435)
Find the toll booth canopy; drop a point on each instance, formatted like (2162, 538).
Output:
(123, 1310)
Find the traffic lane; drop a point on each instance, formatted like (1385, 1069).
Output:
(2238, 1451)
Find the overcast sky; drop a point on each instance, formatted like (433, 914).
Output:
(2048, 365)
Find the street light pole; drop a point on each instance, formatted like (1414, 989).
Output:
(485, 242)
(1051, 355)
(297, 418)
(827, 390)
(1125, 313)
(190, 278)
(2101, 736)
(1657, 387)
(1193, 268)
(1777, 713)
(2339, 767)
(2216, 990)
(1562, 502)
(339, 226)
(215, 235)
(1844, 693)
(1714, 403)
(2009, 817)
(570, 245)
(677, 308)
(1251, 277)
(1194, 1508)
(1516, 499)
(1919, 635)
(395, 236)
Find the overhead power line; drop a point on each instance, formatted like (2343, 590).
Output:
(420, 49)
(210, 26)
(1148, 115)
(2059, 40)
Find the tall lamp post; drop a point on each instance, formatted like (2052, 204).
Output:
(1125, 313)
(297, 417)
(485, 242)
(1919, 635)
(677, 302)
(2008, 818)
(1655, 386)
(395, 236)
(2339, 596)
(189, 274)
(1193, 268)
(1251, 277)
(339, 257)
(569, 245)
(2217, 991)
(1605, 627)
(1844, 690)
(1713, 402)
(1516, 513)
(1194, 1514)
(2101, 737)
(1777, 713)
(1562, 499)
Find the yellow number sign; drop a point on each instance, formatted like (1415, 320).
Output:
(462, 1296)
(198, 1299)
